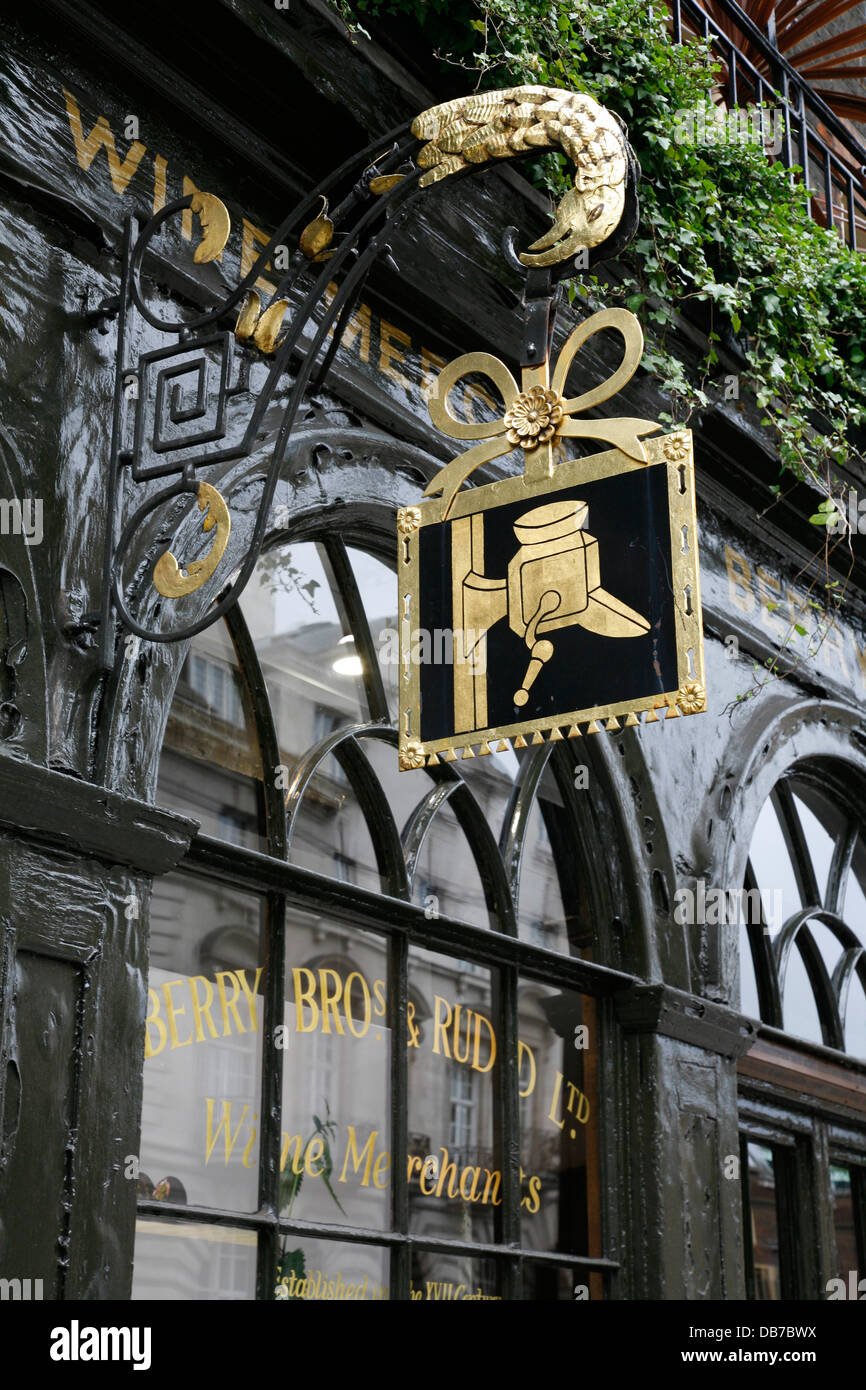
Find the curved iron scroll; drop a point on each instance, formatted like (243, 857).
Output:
(326, 246)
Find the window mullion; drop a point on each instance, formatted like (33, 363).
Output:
(270, 1109)
(801, 860)
(273, 1007)
(356, 617)
(398, 990)
(507, 1123)
(266, 730)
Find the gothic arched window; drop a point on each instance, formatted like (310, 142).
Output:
(803, 957)
(803, 972)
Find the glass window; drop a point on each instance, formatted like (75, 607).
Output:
(203, 1046)
(335, 1154)
(211, 765)
(767, 1268)
(844, 1222)
(182, 1260)
(455, 1172)
(803, 964)
(558, 1052)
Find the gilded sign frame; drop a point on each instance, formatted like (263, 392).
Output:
(673, 452)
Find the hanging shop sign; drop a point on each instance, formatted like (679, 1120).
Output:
(569, 594)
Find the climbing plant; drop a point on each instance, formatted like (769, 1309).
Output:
(720, 223)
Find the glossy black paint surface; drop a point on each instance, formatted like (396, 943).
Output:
(79, 751)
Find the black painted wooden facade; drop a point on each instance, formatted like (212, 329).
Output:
(254, 103)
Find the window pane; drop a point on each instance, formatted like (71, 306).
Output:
(855, 1019)
(313, 673)
(490, 780)
(447, 880)
(764, 1234)
(828, 944)
(305, 647)
(820, 826)
(324, 1271)
(335, 1159)
(203, 1047)
(453, 1278)
(843, 1222)
(377, 585)
(799, 1010)
(331, 835)
(772, 868)
(210, 767)
(549, 847)
(557, 1087)
(853, 908)
(190, 1260)
(455, 1178)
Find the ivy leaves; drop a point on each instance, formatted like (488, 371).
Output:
(721, 224)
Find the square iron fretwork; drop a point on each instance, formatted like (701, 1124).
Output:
(182, 390)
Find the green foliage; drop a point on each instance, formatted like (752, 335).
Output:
(720, 223)
(827, 514)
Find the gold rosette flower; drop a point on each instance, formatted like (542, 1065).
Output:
(412, 756)
(534, 417)
(675, 448)
(408, 520)
(692, 699)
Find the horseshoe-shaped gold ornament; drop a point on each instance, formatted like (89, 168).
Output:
(215, 227)
(168, 577)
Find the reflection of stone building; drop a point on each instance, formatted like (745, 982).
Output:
(331, 946)
(764, 1224)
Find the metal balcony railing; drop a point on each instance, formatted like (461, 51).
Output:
(815, 138)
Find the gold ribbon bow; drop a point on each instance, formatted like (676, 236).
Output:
(536, 415)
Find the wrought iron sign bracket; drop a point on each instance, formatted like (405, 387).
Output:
(170, 424)
(540, 300)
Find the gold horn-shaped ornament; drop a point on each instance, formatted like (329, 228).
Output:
(168, 577)
(263, 327)
(248, 316)
(215, 227)
(317, 235)
(518, 120)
